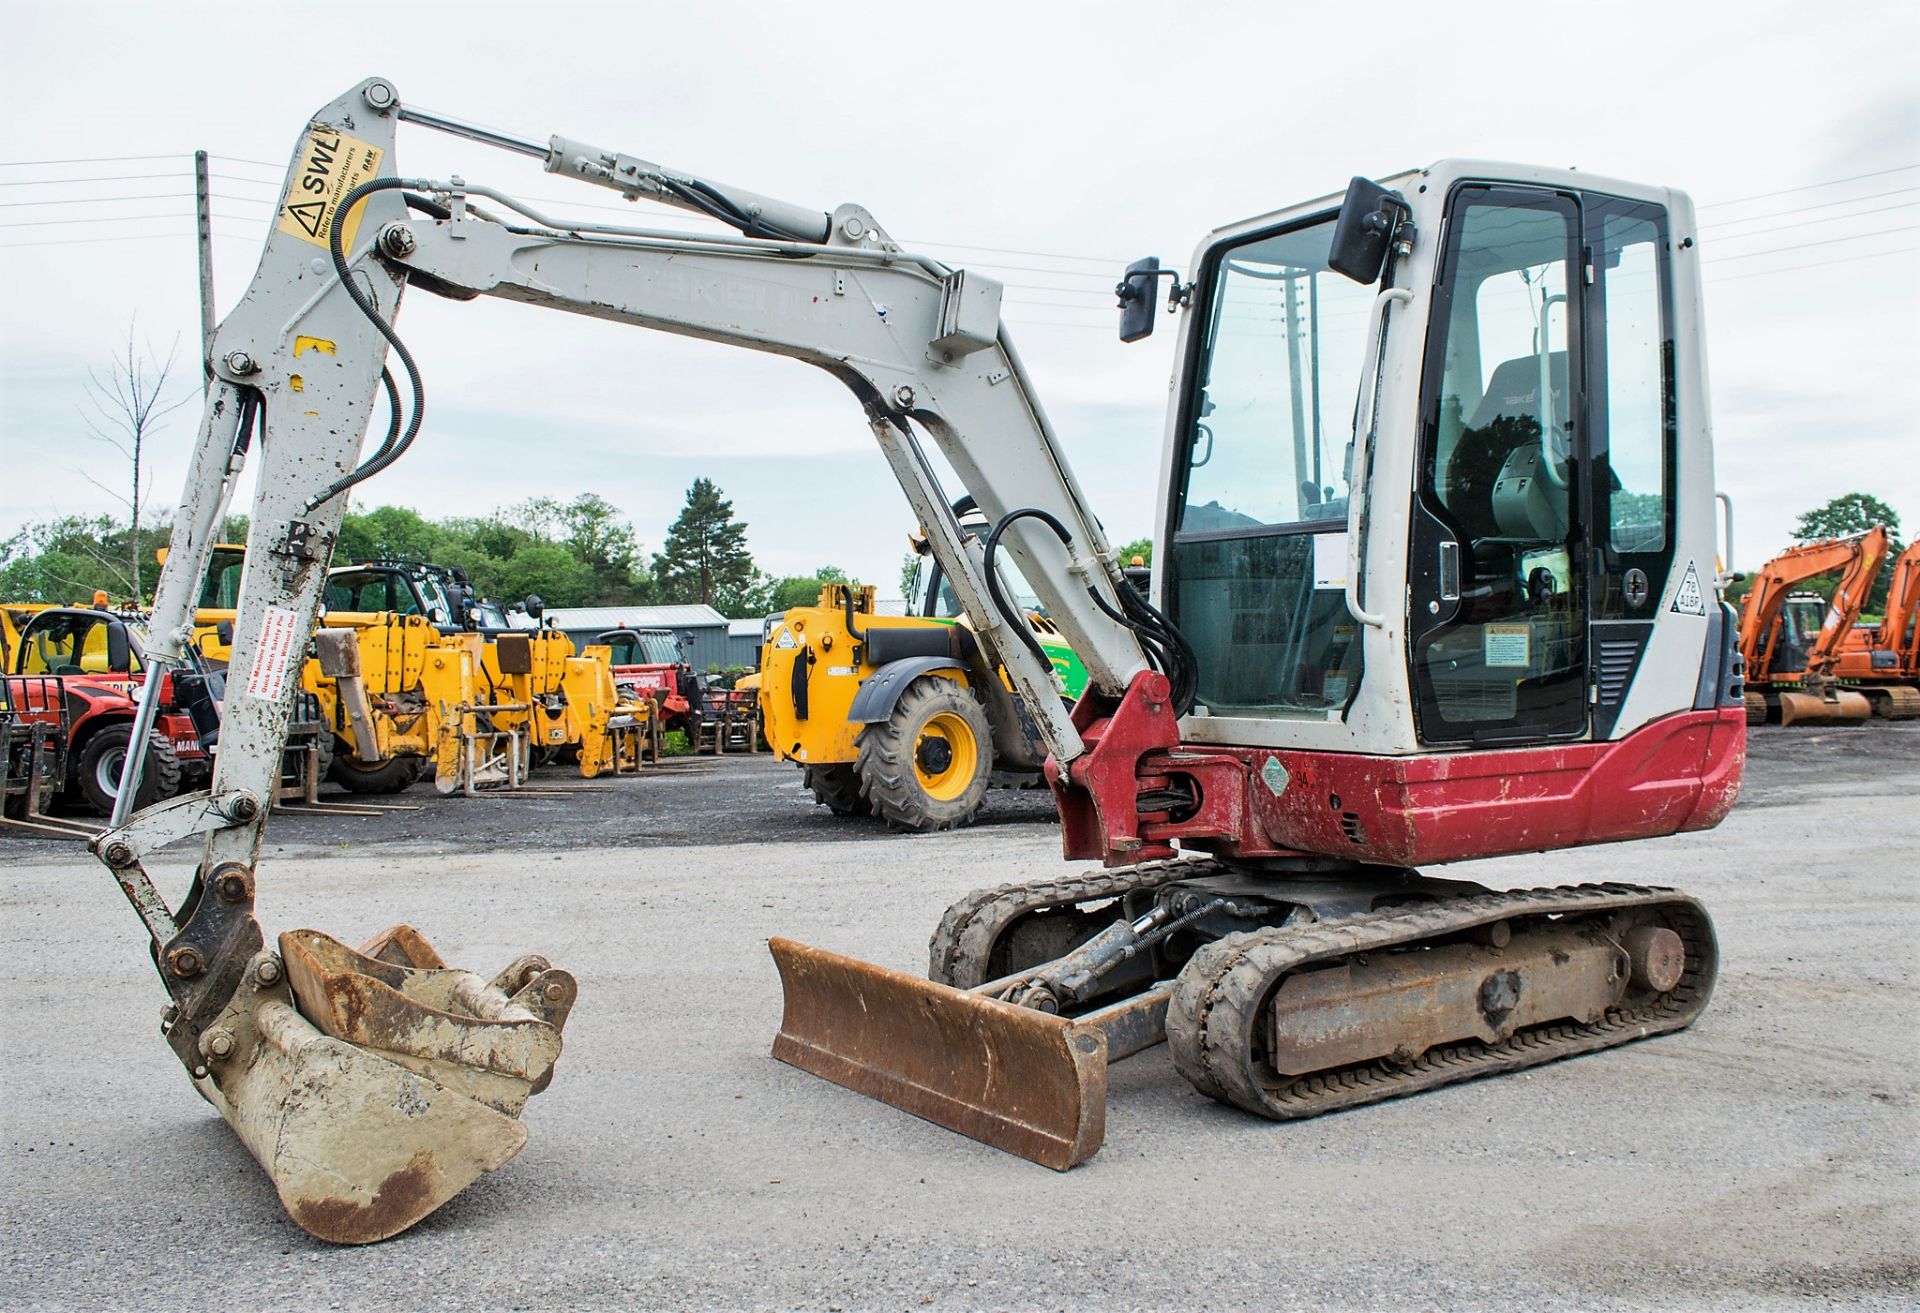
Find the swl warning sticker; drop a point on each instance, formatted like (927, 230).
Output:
(1506, 645)
(332, 165)
(1687, 598)
(275, 655)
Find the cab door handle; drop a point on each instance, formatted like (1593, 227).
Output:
(1449, 571)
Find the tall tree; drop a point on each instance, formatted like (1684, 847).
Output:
(604, 542)
(705, 557)
(803, 589)
(123, 408)
(1856, 512)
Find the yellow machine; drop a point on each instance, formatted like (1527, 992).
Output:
(902, 717)
(887, 715)
(402, 696)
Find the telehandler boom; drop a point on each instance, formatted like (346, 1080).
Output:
(1470, 622)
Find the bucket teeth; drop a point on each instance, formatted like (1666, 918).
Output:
(373, 1086)
(1023, 1081)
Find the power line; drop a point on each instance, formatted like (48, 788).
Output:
(1818, 264)
(1823, 205)
(121, 218)
(134, 177)
(1804, 223)
(1812, 186)
(127, 237)
(1800, 246)
(92, 159)
(143, 196)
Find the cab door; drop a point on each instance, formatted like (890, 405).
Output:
(1499, 593)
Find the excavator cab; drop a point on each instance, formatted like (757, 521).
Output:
(1438, 532)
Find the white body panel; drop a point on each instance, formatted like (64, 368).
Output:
(1380, 719)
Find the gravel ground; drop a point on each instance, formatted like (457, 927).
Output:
(1764, 1158)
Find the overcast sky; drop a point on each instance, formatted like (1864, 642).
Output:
(1079, 135)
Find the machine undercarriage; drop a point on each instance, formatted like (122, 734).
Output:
(1285, 992)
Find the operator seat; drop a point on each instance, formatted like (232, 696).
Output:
(1507, 420)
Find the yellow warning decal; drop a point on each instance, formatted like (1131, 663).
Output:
(332, 165)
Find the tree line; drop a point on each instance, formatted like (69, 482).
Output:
(582, 552)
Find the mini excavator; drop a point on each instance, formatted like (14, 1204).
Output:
(1435, 583)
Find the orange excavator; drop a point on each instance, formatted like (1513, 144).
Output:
(1791, 645)
(1882, 662)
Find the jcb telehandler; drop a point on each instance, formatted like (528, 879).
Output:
(903, 717)
(1434, 582)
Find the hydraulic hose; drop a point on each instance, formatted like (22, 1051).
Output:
(395, 446)
(1164, 646)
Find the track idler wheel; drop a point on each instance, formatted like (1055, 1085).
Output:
(1295, 1021)
(373, 1086)
(1895, 702)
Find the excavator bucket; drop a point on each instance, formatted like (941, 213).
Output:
(1836, 707)
(373, 1086)
(1020, 1080)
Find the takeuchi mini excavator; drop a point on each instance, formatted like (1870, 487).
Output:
(1791, 645)
(1435, 583)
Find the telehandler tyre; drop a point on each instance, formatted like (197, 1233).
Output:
(394, 775)
(837, 787)
(926, 766)
(105, 756)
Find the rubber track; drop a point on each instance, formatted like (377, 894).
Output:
(1223, 989)
(962, 944)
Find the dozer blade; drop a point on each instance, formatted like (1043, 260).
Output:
(1027, 1082)
(375, 1086)
(1842, 707)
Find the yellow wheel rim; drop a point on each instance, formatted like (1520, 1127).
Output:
(945, 756)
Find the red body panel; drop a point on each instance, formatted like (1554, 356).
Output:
(660, 683)
(95, 700)
(1681, 772)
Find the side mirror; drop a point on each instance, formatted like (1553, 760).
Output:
(534, 606)
(685, 641)
(224, 631)
(1138, 291)
(1368, 219)
(119, 648)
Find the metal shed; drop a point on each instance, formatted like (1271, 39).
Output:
(585, 624)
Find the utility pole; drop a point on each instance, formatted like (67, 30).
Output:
(203, 203)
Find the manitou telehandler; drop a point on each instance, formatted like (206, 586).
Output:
(1434, 583)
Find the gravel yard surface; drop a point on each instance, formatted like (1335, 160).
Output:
(1765, 1158)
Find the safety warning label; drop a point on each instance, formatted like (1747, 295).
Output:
(275, 656)
(332, 165)
(1687, 598)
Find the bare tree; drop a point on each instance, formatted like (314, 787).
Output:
(123, 409)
